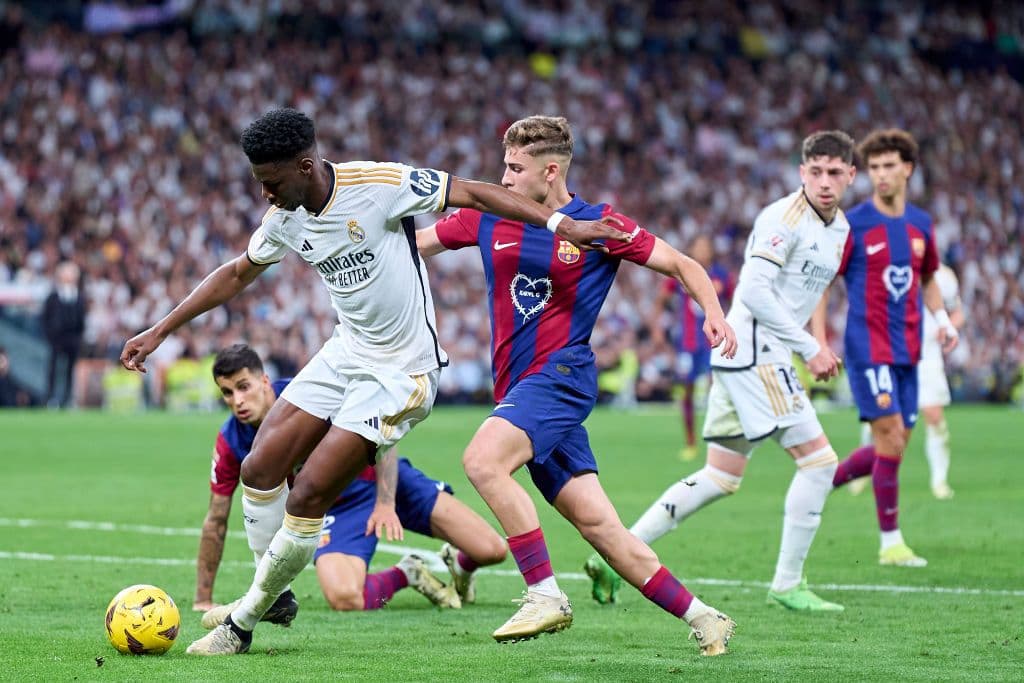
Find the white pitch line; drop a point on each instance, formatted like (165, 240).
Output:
(429, 555)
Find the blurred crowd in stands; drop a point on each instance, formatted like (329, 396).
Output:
(118, 145)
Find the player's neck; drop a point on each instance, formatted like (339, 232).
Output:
(320, 188)
(894, 206)
(558, 197)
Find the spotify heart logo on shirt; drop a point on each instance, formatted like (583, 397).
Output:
(898, 280)
(530, 295)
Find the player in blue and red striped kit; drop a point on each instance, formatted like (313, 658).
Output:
(693, 353)
(545, 295)
(888, 263)
(365, 511)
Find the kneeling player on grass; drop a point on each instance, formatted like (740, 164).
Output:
(545, 297)
(791, 257)
(382, 500)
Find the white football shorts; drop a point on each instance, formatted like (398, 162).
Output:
(745, 406)
(932, 385)
(381, 404)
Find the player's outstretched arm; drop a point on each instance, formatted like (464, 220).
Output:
(692, 276)
(219, 286)
(211, 549)
(427, 242)
(384, 521)
(490, 198)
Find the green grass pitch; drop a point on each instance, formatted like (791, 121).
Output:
(94, 502)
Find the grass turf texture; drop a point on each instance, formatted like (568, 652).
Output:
(151, 470)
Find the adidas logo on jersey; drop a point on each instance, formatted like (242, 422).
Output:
(765, 349)
(373, 422)
(814, 247)
(306, 246)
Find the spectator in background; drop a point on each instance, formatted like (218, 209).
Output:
(63, 322)
(8, 392)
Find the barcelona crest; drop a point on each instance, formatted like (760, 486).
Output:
(568, 253)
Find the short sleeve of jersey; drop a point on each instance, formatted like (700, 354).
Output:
(639, 249)
(265, 247)
(770, 241)
(421, 190)
(459, 229)
(226, 469)
(931, 255)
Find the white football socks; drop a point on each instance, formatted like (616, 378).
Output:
(805, 501)
(263, 512)
(682, 499)
(548, 587)
(288, 554)
(936, 449)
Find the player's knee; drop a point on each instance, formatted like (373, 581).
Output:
(256, 475)
(308, 499)
(491, 551)
(478, 466)
(344, 598)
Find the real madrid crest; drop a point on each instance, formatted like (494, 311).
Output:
(568, 253)
(355, 233)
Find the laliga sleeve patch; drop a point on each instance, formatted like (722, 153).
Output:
(424, 181)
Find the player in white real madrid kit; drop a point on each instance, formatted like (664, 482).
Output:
(791, 257)
(376, 377)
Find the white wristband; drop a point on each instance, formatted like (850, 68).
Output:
(554, 219)
(942, 318)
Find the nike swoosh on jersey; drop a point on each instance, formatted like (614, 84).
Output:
(498, 245)
(873, 249)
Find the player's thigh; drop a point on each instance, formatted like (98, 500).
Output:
(335, 462)
(583, 501)
(497, 445)
(457, 523)
(342, 579)
(286, 437)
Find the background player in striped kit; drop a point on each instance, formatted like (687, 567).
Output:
(791, 258)
(693, 353)
(376, 377)
(544, 297)
(888, 266)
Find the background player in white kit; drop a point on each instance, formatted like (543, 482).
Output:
(376, 377)
(792, 255)
(932, 390)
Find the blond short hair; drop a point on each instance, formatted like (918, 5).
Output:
(541, 135)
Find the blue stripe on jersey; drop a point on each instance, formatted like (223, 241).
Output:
(896, 234)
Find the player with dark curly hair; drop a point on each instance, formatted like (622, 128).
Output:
(376, 377)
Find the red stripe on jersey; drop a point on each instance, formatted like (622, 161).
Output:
(877, 317)
(504, 316)
(912, 301)
(226, 470)
(555, 323)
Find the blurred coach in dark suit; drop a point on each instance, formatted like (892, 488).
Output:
(64, 323)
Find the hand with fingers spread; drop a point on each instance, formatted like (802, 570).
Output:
(384, 522)
(586, 234)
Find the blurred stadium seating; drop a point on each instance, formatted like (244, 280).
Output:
(118, 144)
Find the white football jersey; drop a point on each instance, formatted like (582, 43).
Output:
(790, 234)
(950, 288)
(366, 256)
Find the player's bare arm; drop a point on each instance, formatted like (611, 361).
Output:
(221, 285)
(427, 242)
(495, 199)
(692, 276)
(932, 295)
(383, 521)
(211, 549)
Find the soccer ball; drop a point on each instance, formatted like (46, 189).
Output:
(142, 620)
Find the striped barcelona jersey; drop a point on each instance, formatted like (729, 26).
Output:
(689, 335)
(544, 293)
(884, 262)
(234, 441)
